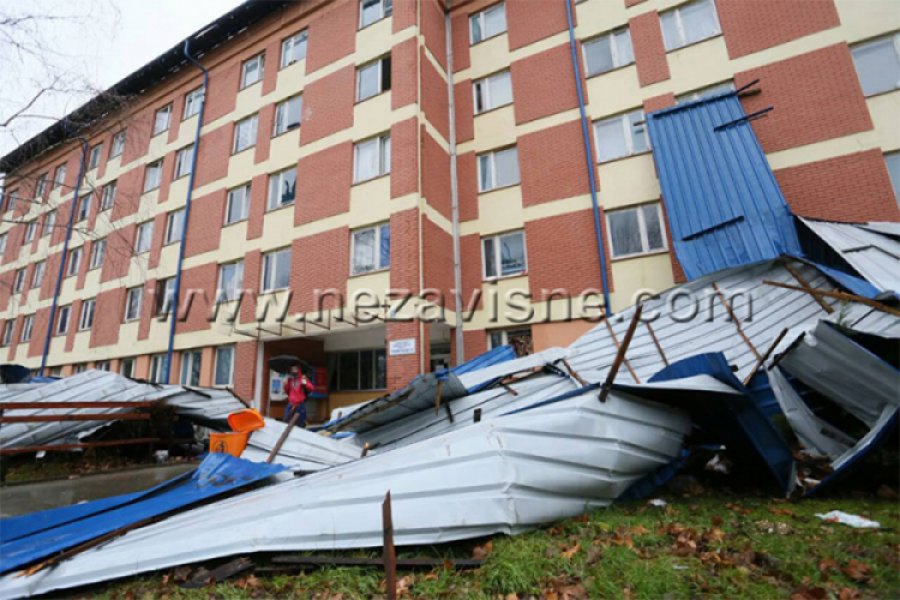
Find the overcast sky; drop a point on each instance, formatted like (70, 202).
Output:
(83, 45)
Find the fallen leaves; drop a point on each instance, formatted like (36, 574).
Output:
(858, 571)
(483, 551)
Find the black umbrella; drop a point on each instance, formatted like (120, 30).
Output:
(283, 364)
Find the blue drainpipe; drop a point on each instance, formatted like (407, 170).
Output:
(589, 155)
(176, 293)
(65, 253)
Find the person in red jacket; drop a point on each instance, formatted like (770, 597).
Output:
(297, 386)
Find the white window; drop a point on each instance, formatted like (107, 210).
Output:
(371, 249)
(487, 23)
(19, 281)
(158, 368)
(282, 189)
(79, 368)
(102, 365)
(8, 327)
(373, 78)
(287, 115)
(498, 169)
(276, 270)
(153, 175)
(30, 231)
(27, 327)
(245, 133)
(98, 253)
(713, 90)
(492, 91)
(373, 10)
(184, 161)
(224, 370)
(689, 23)
(83, 208)
(41, 188)
(878, 64)
(358, 370)
(2, 243)
(174, 226)
(118, 144)
(372, 158)
(62, 321)
(143, 237)
(74, 261)
(504, 254)
(608, 52)
(126, 367)
(161, 119)
(252, 70)
(293, 49)
(193, 100)
(86, 319)
(237, 205)
(108, 196)
(892, 161)
(94, 159)
(635, 231)
(37, 276)
(519, 339)
(56, 372)
(59, 176)
(622, 135)
(231, 280)
(49, 221)
(133, 298)
(190, 367)
(165, 296)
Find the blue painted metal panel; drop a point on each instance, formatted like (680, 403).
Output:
(725, 208)
(492, 357)
(33, 537)
(858, 286)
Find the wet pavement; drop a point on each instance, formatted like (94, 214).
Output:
(29, 497)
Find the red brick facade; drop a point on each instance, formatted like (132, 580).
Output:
(649, 51)
(753, 26)
(553, 164)
(543, 84)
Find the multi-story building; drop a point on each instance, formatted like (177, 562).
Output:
(352, 151)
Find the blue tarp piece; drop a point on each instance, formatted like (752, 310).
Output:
(736, 421)
(500, 354)
(724, 206)
(30, 538)
(649, 483)
(855, 285)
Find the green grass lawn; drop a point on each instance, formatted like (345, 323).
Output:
(704, 547)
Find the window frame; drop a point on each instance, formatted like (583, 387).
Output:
(264, 279)
(894, 41)
(642, 230)
(480, 16)
(166, 113)
(62, 320)
(253, 120)
(95, 260)
(140, 240)
(164, 293)
(3, 239)
(94, 156)
(27, 328)
(278, 176)
(184, 161)
(30, 232)
(40, 188)
(9, 326)
(498, 257)
(126, 367)
(130, 293)
(382, 142)
(623, 118)
(117, 145)
(190, 102)
(483, 83)
(676, 11)
(492, 160)
(38, 273)
(155, 182)
(19, 281)
(379, 229)
(260, 60)
(190, 357)
(87, 314)
(382, 65)
(231, 361)
(304, 33)
(74, 262)
(83, 208)
(614, 50)
(49, 222)
(157, 369)
(108, 195)
(374, 375)
(174, 226)
(59, 176)
(386, 10)
(225, 294)
(282, 110)
(245, 203)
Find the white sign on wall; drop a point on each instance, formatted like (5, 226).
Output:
(402, 347)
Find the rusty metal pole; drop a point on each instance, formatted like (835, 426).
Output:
(390, 555)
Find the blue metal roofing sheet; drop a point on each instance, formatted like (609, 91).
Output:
(724, 206)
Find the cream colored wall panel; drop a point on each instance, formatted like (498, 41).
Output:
(291, 80)
(488, 56)
(157, 147)
(168, 260)
(360, 289)
(696, 66)
(495, 297)
(494, 129)
(372, 116)
(598, 16)
(862, 19)
(370, 202)
(885, 111)
(373, 41)
(644, 273)
(628, 181)
(500, 210)
(614, 92)
(249, 99)
(240, 168)
(177, 194)
(557, 207)
(186, 130)
(284, 149)
(278, 228)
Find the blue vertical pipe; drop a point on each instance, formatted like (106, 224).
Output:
(65, 253)
(589, 156)
(176, 293)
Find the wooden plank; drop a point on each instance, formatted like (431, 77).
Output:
(284, 435)
(620, 355)
(806, 286)
(846, 297)
(73, 405)
(220, 573)
(574, 373)
(615, 340)
(736, 321)
(77, 417)
(656, 343)
(765, 356)
(359, 561)
(390, 554)
(83, 445)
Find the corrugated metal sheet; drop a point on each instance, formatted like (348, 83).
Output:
(723, 204)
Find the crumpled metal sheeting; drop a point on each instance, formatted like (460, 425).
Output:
(500, 476)
(211, 405)
(303, 450)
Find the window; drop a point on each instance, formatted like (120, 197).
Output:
(287, 115)
(519, 339)
(635, 231)
(30, 231)
(153, 175)
(224, 365)
(59, 176)
(98, 252)
(143, 237)
(371, 249)
(174, 226)
(161, 119)
(108, 196)
(373, 10)
(86, 319)
(49, 221)
(608, 52)
(713, 90)
(504, 255)
(282, 188)
(293, 49)
(231, 280)
(878, 64)
(373, 78)
(118, 144)
(372, 158)
(56, 372)
(19, 281)
(498, 169)
(492, 91)
(8, 327)
(102, 365)
(184, 161)
(245, 133)
(252, 70)
(126, 367)
(37, 276)
(359, 370)
(133, 298)
(165, 296)
(2, 243)
(892, 161)
(487, 23)
(83, 208)
(79, 368)
(74, 261)
(158, 369)
(193, 100)
(237, 205)
(62, 321)
(276, 270)
(620, 136)
(689, 23)
(40, 189)
(27, 327)
(94, 159)
(190, 367)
